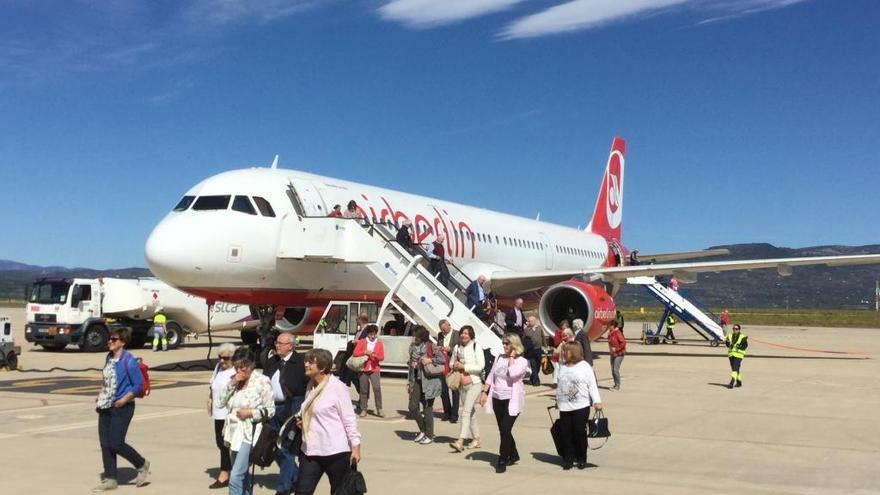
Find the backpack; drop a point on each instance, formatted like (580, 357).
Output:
(145, 377)
(265, 446)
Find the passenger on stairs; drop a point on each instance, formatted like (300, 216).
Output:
(438, 260)
(404, 237)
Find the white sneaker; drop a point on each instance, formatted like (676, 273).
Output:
(419, 438)
(106, 485)
(426, 440)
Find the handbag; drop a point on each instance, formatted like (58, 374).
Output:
(434, 370)
(597, 427)
(352, 484)
(547, 365)
(264, 447)
(356, 363)
(453, 380)
(466, 379)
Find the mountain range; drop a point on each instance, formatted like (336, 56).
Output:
(808, 287)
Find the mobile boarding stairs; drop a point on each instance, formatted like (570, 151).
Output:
(684, 307)
(412, 289)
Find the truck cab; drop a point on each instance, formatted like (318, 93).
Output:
(57, 309)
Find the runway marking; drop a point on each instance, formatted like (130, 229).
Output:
(41, 408)
(94, 423)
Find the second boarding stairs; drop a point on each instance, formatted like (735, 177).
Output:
(412, 289)
(688, 311)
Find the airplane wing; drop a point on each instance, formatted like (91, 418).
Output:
(511, 282)
(681, 255)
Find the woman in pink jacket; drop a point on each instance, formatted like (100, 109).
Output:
(371, 347)
(505, 395)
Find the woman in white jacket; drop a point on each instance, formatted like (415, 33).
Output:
(467, 358)
(249, 399)
(576, 392)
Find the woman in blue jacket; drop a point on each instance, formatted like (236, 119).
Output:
(115, 406)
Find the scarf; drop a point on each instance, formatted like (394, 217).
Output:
(313, 394)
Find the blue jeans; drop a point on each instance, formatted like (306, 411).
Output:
(288, 470)
(240, 477)
(112, 428)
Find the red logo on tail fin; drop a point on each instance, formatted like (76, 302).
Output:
(608, 213)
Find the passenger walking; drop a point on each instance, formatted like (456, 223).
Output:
(446, 342)
(122, 381)
(577, 391)
(468, 359)
(582, 338)
(670, 329)
(617, 349)
(504, 394)
(534, 333)
(160, 333)
(737, 343)
(223, 372)
(404, 237)
(515, 319)
(287, 375)
(331, 441)
(250, 402)
(423, 383)
(374, 350)
(476, 297)
(725, 319)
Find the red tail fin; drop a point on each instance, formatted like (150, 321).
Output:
(608, 214)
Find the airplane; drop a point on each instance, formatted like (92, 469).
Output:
(222, 242)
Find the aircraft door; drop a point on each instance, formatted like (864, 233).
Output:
(548, 251)
(306, 199)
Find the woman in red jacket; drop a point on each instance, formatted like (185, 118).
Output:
(617, 346)
(371, 347)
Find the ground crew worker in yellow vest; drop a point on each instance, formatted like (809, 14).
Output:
(670, 326)
(736, 351)
(159, 333)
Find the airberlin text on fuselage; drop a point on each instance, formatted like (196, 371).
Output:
(457, 234)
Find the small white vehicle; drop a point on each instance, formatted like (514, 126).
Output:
(338, 326)
(63, 311)
(9, 352)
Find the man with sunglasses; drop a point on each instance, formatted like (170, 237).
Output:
(286, 370)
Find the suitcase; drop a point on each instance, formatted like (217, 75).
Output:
(555, 431)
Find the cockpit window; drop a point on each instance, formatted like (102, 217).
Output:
(243, 204)
(184, 203)
(264, 207)
(211, 203)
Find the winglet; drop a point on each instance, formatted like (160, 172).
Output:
(275, 162)
(608, 213)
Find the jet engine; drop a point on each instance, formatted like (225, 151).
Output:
(574, 299)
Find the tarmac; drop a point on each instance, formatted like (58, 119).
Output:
(804, 422)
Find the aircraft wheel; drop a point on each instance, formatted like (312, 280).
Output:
(174, 334)
(11, 361)
(95, 339)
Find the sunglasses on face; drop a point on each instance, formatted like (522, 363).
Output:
(225, 358)
(113, 339)
(505, 343)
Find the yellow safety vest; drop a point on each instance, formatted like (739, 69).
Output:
(733, 349)
(670, 321)
(159, 319)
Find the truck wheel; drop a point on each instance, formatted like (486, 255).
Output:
(250, 337)
(174, 334)
(54, 347)
(11, 361)
(95, 339)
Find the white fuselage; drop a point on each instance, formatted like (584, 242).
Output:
(221, 251)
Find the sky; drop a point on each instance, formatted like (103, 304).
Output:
(745, 120)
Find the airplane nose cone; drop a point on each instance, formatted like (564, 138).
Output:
(170, 253)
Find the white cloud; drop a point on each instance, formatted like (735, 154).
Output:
(733, 9)
(220, 12)
(578, 15)
(428, 13)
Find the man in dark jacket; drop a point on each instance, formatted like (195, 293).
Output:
(286, 372)
(515, 319)
(476, 296)
(447, 339)
(581, 337)
(404, 237)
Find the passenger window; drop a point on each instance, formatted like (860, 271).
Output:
(264, 207)
(243, 204)
(184, 203)
(335, 321)
(205, 203)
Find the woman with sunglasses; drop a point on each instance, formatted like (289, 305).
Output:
(331, 442)
(115, 407)
(504, 394)
(223, 372)
(250, 402)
